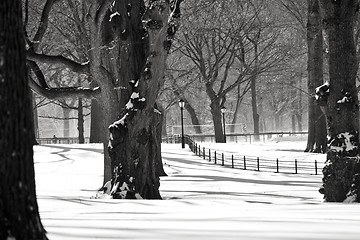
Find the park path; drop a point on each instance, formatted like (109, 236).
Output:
(201, 201)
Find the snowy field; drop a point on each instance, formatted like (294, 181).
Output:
(201, 200)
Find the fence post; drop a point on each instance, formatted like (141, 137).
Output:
(316, 167)
(296, 166)
(199, 150)
(222, 159)
(204, 153)
(209, 155)
(277, 165)
(215, 156)
(232, 160)
(258, 163)
(244, 163)
(196, 149)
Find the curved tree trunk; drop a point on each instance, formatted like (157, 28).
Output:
(19, 214)
(341, 179)
(194, 119)
(316, 120)
(189, 108)
(135, 138)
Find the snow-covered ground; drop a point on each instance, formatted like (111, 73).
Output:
(201, 200)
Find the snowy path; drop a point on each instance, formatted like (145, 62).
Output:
(202, 201)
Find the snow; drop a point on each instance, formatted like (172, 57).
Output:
(322, 90)
(346, 144)
(201, 200)
(134, 95)
(121, 121)
(113, 15)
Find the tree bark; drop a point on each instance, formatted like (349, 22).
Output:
(81, 121)
(19, 214)
(135, 137)
(341, 179)
(316, 141)
(256, 117)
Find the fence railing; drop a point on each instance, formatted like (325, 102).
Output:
(60, 140)
(234, 137)
(275, 165)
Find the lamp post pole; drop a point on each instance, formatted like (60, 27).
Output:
(181, 105)
(223, 110)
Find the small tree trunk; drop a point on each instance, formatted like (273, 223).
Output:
(217, 120)
(66, 126)
(293, 122)
(95, 123)
(19, 214)
(256, 117)
(81, 121)
(35, 119)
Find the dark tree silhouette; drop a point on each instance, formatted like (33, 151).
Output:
(19, 215)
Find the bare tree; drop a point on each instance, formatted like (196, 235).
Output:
(128, 44)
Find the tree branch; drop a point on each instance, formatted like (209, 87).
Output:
(72, 65)
(61, 93)
(42, 25)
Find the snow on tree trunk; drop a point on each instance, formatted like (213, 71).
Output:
(342, 169)
(19, 215)
(316, 120)
(135, 137)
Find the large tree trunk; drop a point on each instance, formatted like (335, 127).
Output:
(341, 179)
(135, 138)
(19, 214)
(316, 120)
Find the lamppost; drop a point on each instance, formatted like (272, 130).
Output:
(223, 110)
(181, 105)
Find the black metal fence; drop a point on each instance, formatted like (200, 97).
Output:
(60, 140)
(236, 137)
(255, 163)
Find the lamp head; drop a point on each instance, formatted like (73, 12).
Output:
(181, 103)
